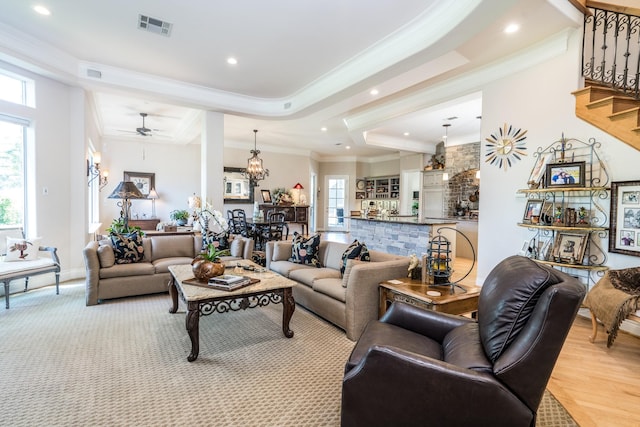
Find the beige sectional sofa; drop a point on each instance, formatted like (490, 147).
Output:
(349, 302)
(105, 279)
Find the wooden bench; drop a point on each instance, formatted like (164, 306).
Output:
(15, 270)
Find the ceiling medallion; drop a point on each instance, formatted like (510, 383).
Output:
(505, 146)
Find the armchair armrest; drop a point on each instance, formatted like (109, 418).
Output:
(424, 388)
(430, 323)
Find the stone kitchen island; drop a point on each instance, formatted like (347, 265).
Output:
(401, 235)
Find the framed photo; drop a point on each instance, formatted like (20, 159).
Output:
(533, 209)
(565, 174)
(570, 247)
(624, 231)
(266, 196)
(143, 180)
(360, 195)
(547, 213)
(539, 169)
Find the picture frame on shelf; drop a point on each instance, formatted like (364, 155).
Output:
(144, 181)
(570, 247)
(624, 230)
(539, 170)
(565, 175)
(547, 212)
(266, 196)
(532, 211)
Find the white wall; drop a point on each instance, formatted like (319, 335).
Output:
(540, 101)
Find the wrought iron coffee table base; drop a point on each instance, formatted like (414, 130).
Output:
(224, 304)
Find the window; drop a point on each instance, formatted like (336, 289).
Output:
(12, 171)
(16, 89)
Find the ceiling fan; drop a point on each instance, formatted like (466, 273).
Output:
(144, 131)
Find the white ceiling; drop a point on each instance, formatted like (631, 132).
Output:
(302, 65)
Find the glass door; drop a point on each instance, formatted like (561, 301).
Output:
(336, 202)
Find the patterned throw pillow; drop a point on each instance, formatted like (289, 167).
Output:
(305, 251)
(127, 247)
(22, 249)
(356, 250)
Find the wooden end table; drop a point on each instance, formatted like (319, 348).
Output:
(414, 292)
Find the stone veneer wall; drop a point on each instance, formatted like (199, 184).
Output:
(393, 238)
(462, 162)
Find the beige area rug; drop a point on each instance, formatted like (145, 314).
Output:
(124, 363)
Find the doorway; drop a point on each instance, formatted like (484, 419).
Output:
(336, 202)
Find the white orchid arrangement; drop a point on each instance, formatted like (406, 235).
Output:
(211, 221)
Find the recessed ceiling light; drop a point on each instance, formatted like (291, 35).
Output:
(232, 61)
(348, 147)
(323, 129)
(374, 92)
(511, 28)
(42, 10)
(406, 134)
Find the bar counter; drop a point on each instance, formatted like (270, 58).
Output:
(401, 235)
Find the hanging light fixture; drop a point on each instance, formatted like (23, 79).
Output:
(445, 176)
(480, 142)
(255, 171)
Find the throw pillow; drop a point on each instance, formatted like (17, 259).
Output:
(236, 247)
(127, 248)
(106, 256)
(347, 270)
(305, 251)
(355, 250)
(22, 249)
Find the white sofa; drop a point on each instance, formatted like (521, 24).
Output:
(349, 302)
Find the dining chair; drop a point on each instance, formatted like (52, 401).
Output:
(275, 230)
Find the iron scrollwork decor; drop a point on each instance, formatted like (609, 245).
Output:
(236, 187)
(237, 303)
(624, 233)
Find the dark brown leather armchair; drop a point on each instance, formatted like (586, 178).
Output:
(416, 367)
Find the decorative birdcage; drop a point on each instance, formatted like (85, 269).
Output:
(438, 262)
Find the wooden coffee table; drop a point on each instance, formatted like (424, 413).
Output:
(201, 301)
(414, 292)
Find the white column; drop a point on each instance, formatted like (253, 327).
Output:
(212, 159)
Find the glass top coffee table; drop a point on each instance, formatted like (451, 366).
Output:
(202, 301)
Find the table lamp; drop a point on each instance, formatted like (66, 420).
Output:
(126, 191)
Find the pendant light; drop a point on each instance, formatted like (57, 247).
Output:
(255, 171)
(445, 175)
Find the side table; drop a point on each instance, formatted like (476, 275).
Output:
(414, 292)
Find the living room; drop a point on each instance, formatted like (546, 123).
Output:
(531, 90)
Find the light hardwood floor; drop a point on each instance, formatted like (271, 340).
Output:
(598, 386)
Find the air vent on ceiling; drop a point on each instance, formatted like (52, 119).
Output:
(94, 73)
(154, 25)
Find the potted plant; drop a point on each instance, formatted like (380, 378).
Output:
(118, 227)
(180, 216)
(207, 264)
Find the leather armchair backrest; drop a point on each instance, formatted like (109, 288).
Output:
(507, 299)
(525, 311)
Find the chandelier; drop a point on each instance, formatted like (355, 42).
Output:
(255, 171)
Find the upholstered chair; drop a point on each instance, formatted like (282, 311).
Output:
(416, 367)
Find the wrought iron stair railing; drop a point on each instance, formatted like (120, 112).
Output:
(611, 50)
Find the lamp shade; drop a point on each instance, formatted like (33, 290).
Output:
(153, 194)
(126, 190)
(298, 186)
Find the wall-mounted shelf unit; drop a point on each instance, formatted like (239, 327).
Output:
(567, 209)
(384, 187)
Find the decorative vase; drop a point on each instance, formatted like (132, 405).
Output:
(204, 270)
